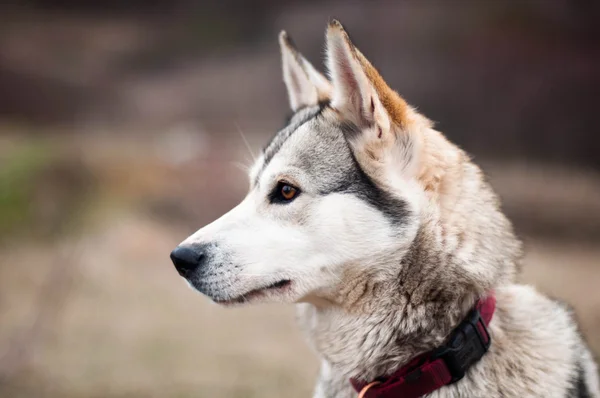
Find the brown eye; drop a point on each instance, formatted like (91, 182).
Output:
(284, 193)
(288, 192)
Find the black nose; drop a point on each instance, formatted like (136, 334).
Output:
(186, 259)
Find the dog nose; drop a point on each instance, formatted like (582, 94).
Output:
(186, 259)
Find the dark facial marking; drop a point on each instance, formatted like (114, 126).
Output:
(579, 388)
(350, 130)
(332, 157)
(357, 182)
(330, 163)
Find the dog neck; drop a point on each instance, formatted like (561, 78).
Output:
(372, 328)
(372, 325)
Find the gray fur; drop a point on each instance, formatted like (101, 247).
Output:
(298, 119)
(326, 156)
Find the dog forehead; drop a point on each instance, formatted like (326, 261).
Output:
(279, 139)
(319, 151)
(311, 143)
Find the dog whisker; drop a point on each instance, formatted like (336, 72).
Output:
(245, 141)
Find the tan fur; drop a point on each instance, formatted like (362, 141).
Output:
(396, 107)
(438, 156)
(465, 248)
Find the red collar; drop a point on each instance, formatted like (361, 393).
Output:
(442, 366)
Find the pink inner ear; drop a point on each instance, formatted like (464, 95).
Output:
(348, 80)
(346, 72)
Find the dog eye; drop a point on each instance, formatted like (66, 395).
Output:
(288, 192)
(284, 193)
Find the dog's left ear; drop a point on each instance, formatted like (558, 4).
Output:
(360, 94)
(305, 85)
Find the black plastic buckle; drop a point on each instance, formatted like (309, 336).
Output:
(465, 346)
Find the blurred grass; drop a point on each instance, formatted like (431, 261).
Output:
(45, 189)
(19, 168)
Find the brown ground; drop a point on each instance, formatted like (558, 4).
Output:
(98, 310)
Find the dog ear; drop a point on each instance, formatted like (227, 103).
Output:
(380, 126)
(305, 85)
(360, 94)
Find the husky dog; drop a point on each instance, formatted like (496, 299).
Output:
(386, 235)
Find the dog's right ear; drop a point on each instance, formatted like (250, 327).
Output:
(305, 85)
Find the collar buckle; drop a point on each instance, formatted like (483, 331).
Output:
(468, 344)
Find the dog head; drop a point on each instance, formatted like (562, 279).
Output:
(341, 191)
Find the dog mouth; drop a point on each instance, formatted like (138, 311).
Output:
(255, 293)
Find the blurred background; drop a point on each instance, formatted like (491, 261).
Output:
(121, 128)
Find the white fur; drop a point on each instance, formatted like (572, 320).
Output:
(377, 291)
(310, 241)
(303, 82)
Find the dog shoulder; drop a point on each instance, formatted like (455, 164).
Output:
(541, 333)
